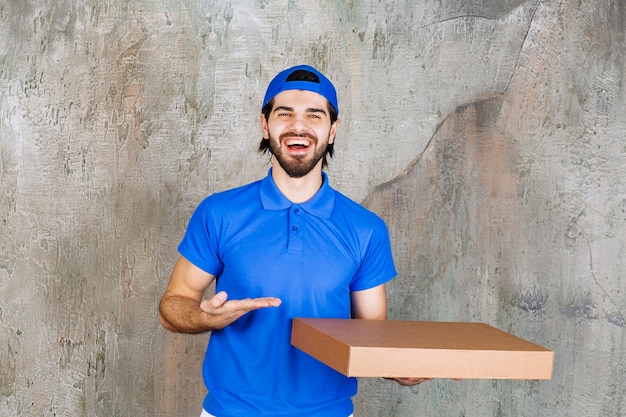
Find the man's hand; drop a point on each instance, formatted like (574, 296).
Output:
(186, 315)
(221, 312)
(182, 309)
(409, 382)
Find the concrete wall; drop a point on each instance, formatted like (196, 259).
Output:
(490, 135)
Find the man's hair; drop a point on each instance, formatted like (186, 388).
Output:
(300, 75)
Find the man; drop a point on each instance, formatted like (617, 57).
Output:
(283, 247)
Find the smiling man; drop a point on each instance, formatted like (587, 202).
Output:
(286, 246)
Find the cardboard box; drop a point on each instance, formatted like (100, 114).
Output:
(397, 348)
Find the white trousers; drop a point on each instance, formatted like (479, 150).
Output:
(205, 414)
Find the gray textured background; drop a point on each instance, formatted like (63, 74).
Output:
(490, 135)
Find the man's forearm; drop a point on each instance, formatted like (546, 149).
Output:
(181, 314)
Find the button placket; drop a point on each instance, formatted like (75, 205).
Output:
(295, 228)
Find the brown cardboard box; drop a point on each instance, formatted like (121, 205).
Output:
(397, 348)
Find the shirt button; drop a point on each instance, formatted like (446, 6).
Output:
(296, 211)
(295, 228)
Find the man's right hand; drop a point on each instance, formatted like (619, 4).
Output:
(182, 309)
(223, 312)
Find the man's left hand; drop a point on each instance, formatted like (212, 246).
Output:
(409, 382)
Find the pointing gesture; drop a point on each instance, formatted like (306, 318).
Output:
(183, 310)
(221, 312)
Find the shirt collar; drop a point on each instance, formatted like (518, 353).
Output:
(320, 205)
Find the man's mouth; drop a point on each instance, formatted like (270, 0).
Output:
(297, 143)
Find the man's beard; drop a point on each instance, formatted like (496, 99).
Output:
(296, 166)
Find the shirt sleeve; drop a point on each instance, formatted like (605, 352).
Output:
(200, 243)
(377, 266)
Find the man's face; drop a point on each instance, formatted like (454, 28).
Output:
(299, 130)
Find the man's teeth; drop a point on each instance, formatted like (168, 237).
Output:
(298, 143)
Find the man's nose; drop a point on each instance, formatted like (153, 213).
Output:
(298, 123)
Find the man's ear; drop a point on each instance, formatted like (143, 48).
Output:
(333, 131)
(266, 133)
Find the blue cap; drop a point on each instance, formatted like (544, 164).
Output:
(324, 87)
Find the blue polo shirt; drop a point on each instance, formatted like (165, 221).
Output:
(311, 256)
